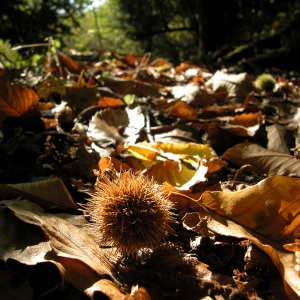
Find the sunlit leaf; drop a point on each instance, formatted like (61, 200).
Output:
(170, 171)
(239, 85)
(15, 99)
(185, 93)
(271, 207)
(143, 151)
(110, 102)
(183, 110)
(201, 150)
(52, 191)
(269, 215)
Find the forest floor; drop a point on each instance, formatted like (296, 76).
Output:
(223, 146)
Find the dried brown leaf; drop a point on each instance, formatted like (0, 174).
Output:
(278, 139)
(271, 210)
(52, 191)
(264, 161)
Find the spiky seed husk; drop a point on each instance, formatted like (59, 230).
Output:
(130, 213)
(265, 82)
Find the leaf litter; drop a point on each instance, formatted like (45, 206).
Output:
(224, 152)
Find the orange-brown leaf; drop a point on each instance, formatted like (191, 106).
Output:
(110, 102)
(70, 64)
(184, 111)
(15, 99)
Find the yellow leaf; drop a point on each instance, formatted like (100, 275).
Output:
(170, 171)
(201, 150)
(143, 151)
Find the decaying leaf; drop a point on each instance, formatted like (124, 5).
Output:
(81, 98)
(283, 260)
(264, 161)
(270, 209)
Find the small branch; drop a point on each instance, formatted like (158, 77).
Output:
(29, 46)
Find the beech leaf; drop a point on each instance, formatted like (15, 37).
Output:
(239, 85)
(278, 138)
(267, 214)
(184, 111)
(271, 207)
(264, 161)
(123, 87)
(15, 99)
(51, 191)
(79, 258)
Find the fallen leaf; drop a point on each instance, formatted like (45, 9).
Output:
(15, 99)
(239, 85)
(81, 98)
(103, 127)
(170, 171)
(264, 161)
(138, 293)
(270, 207)
(200, 150)
(279, 139)
(70, 64)
(123, 87)
(79, 258)
(282, 259)
(51, 191)
(51, 84)
(110, 102)
(185, 93)
(185, 111)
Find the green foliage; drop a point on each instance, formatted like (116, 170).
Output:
(129, 99)
(9, 57)
(101, 31)
(164, 28)
(27, 22)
